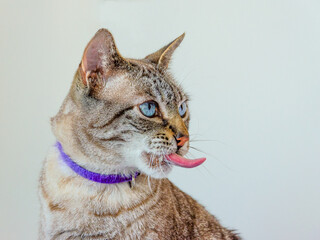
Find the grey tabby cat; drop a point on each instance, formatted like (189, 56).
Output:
(122, 117)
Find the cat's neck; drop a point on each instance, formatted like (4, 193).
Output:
(94, 176)
(65, 186)
(62, 173)
(82, 151)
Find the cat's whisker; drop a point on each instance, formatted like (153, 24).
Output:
(197, 149)
(211, 155)
(199, 168)
(152, 157)
(187, 72)
(145, 178)
(149, 183)
(193, 138)
(161, 170)
(162, 156)
(151, 162)
(208, 171)
(205, 140)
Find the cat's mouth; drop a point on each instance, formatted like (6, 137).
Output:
(157, 161)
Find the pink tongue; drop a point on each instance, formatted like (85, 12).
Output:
(184, 162)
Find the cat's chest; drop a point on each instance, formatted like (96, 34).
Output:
(82, 208)
(108, 215)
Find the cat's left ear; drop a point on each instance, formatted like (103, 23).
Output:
(100, 59)
(162, 57)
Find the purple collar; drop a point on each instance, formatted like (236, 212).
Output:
(96, 177)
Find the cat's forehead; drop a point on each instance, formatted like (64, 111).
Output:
(159, 86)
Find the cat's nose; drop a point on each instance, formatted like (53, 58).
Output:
(181, 139)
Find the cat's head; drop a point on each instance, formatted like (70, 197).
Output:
(124, 115)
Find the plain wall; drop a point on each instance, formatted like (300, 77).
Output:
(252, 69)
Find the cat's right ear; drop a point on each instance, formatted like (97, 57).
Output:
(162, 57)
(100, 59)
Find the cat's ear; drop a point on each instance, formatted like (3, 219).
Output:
(100, 58)
(162, 57)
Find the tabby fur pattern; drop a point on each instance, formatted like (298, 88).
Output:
(102, 129)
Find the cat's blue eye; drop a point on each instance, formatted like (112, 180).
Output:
(183, 109)
(148, 109)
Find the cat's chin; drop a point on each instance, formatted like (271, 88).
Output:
(154, 166)
(157, 173)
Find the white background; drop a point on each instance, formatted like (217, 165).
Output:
(251, 67)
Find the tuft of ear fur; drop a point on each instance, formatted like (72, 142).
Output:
(162, 57)
(100, 58)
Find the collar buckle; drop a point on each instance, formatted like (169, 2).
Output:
(132, 182)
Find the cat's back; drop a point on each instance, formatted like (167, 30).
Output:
(187, 219)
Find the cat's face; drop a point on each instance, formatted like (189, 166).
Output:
(130, 113)
(142, 121)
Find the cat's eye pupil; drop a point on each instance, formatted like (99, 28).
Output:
(148, 109)
(182, 109)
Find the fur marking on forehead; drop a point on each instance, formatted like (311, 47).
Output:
(158, 85)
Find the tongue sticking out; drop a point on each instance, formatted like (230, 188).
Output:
(184, 162)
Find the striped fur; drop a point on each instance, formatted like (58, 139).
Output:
(101, 127)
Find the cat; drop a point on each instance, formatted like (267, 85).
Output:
(120, 130)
